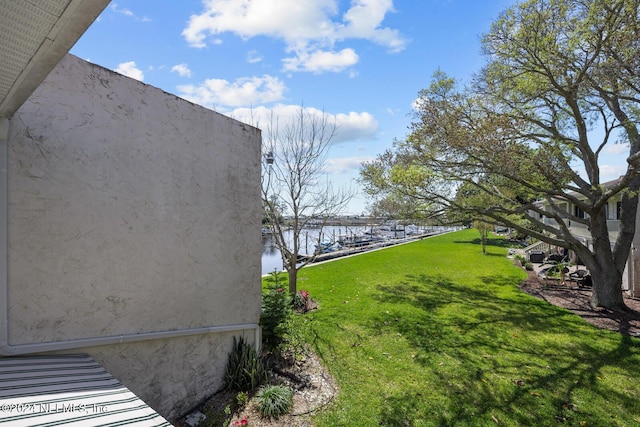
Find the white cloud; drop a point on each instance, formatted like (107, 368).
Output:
(128, 12)
(214, 93)
(129, 69)
(309, 28)
(355, 126)
(249, 18)
(364, 20)
(617, 148)
(320, 61)
(611, 172)
(417, 104)
(351, 126)
(182, 69)
(345, 164)
(253, 57)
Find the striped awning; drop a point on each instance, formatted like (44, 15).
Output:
(67, 390)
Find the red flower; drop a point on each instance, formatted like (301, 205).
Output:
(280, 290)
(244, 422)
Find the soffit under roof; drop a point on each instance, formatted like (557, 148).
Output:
(34, 36)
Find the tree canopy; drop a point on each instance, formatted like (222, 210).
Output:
(525, 137)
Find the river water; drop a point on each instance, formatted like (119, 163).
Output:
(271, 259)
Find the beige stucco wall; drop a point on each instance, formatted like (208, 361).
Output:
(132, 211)
(171, 375)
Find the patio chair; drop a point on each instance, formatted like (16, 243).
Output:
(556, 257)
(536, 257)
(581, 277)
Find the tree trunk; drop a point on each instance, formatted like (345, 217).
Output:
(483, 238)
(293, 276)
(606, 273)
(606, 277)
(607, 288)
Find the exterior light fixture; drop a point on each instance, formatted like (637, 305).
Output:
(269, 158)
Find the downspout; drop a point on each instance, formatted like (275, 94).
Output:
(6, 349)
(631, 276)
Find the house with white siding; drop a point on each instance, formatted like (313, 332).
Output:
(631, 276)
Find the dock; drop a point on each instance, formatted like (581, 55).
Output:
(358, 249)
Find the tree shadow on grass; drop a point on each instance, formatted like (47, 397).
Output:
(401, 411)
(501, 243)
(495, 355)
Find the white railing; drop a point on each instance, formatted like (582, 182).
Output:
(582, 230)
(538, 246)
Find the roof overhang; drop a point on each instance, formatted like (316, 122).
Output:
(34, 36)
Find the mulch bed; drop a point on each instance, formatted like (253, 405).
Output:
(313, 388)
(578, 301)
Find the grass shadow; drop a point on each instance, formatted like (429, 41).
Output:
(497, 242)
(497, 354)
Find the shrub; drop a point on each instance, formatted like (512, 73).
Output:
(245, 369)
(242, 399)
(294, 346)
(301, 301)
(274, 400)
(276, 310)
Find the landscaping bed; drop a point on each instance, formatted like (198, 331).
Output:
(578, 301)
(312, 388)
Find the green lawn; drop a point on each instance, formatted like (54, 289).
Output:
(434, 333)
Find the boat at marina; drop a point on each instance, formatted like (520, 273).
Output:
(336, 241)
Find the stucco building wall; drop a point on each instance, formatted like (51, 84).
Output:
(132, 211)
(632, 271)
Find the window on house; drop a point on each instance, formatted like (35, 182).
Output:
(578, 212)
(618, 209)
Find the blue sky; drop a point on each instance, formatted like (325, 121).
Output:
(360, 61)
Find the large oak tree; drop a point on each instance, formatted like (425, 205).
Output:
(561, 84)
